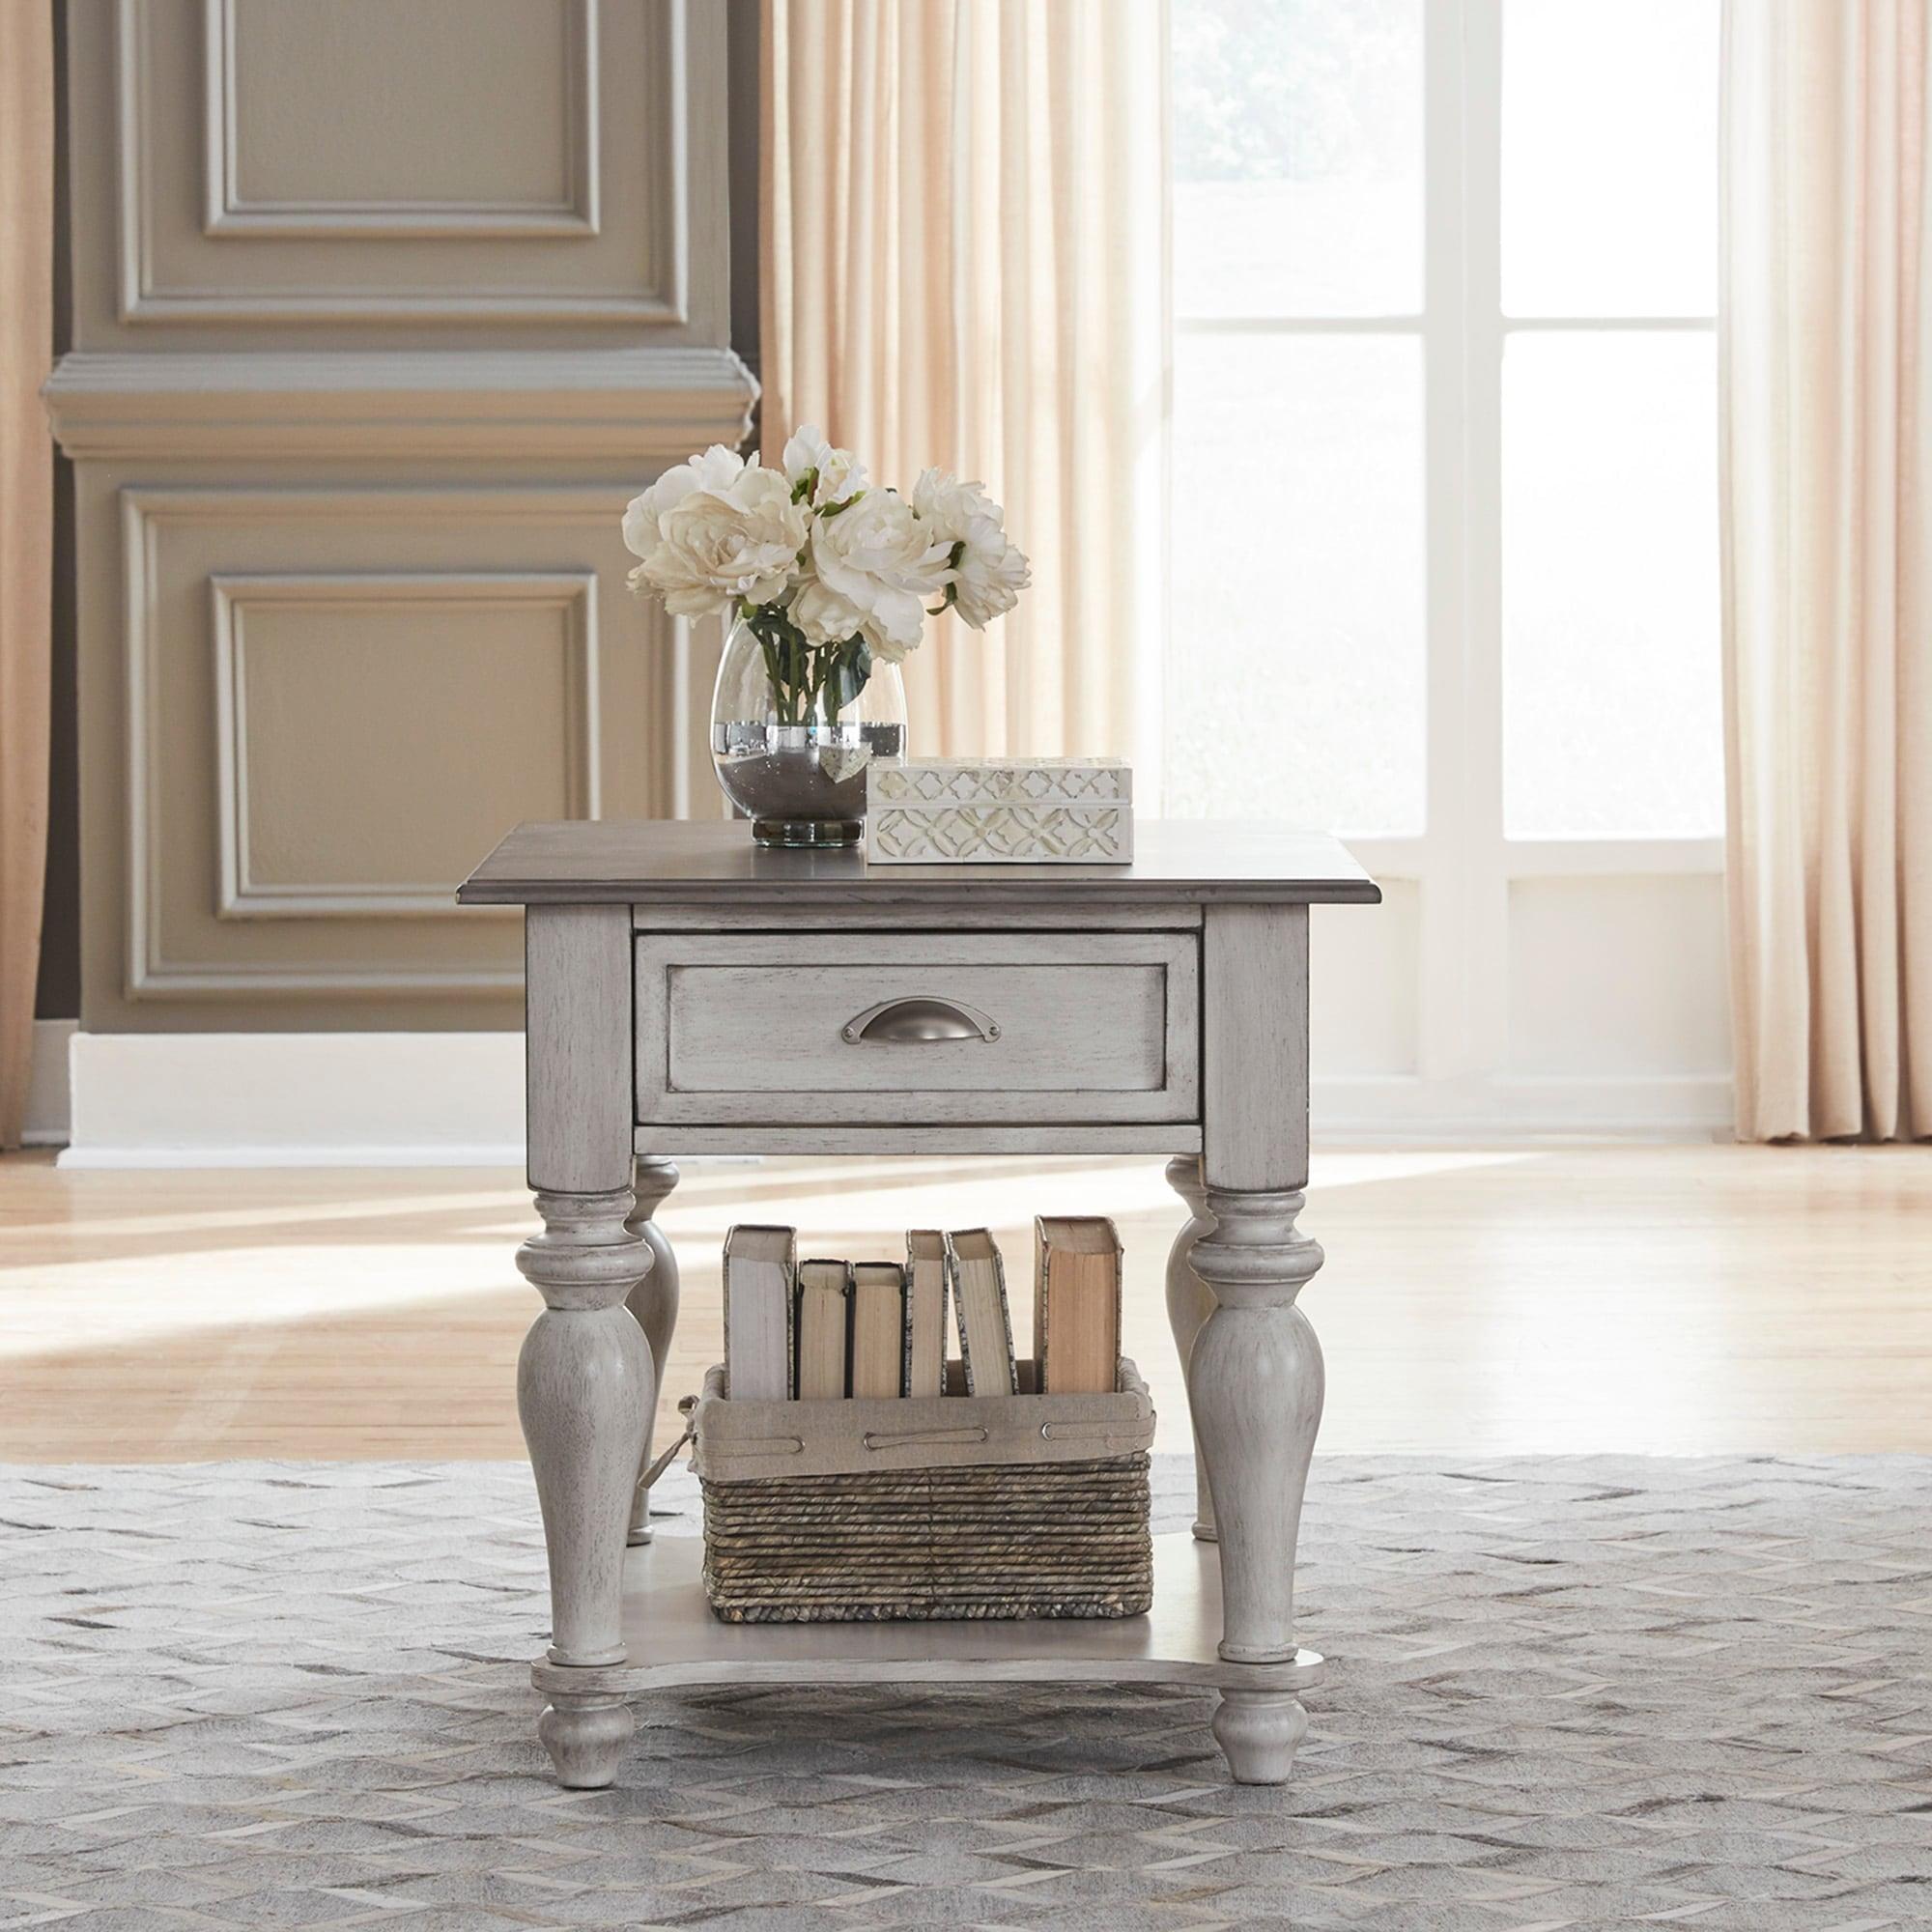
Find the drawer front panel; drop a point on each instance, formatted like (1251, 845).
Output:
(781, 1029)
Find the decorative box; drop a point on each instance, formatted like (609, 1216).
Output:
(869, 1510)
(1021, 812)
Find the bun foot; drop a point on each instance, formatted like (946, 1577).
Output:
(1258, 1732)
(585, 1736)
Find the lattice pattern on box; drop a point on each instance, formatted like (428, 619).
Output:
(1003, 781)
(1075, 812)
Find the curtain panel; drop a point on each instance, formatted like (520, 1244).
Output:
(964, 264)
(1828, 565)
(26, 525)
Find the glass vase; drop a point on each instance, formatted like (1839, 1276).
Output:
(791, 739)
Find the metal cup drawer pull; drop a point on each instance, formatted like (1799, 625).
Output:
(909, 1021)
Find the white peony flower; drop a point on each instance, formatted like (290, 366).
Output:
(941, 499)
(715, 531)
(823, 615)
(837, 472)
(875, 559)
(985, 573)
(717, 469)
(989, 576)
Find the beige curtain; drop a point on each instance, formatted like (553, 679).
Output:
(1828, 565)
(26, 524)
(963, 265)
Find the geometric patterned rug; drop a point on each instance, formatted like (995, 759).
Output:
(1562, 1692)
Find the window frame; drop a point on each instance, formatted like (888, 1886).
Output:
(1464, 862)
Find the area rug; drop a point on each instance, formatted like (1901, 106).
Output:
(1564, 1691)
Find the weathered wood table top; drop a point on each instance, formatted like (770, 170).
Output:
(691, 861)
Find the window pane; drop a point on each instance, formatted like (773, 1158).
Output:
(1609, 168)
(1297, 130)
(1295, 674)
(1612, 680)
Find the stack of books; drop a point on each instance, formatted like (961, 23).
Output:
(821, 1330)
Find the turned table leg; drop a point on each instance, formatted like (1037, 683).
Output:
(1189, 1303)
(586, 1391)
(1254, 1374)
(1255, 1386)
(654, 1303)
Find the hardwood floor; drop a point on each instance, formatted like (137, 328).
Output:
(1647, 1298)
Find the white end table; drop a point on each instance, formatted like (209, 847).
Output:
(688, 993)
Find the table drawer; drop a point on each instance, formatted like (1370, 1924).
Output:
(791, 1029)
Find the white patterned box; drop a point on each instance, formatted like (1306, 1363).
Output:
(984, 811)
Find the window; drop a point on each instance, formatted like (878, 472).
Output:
(1298, 414)
(1609, 447)
(1444, 499)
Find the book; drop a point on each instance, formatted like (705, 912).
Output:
(1076, 1305)
(878, 1328)
(759, 1266)
(925, 1313)
(986, 1324)
(824, 1372)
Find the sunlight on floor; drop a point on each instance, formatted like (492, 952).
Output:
(66, 1305)
(174, 1284)
(1684, 1299)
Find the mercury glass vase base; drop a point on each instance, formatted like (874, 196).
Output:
(802, 785)
(816, 834)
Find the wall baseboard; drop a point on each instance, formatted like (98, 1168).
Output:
(1391, 1110)
(297, 1099)
(456, 1099)
(48, 1118)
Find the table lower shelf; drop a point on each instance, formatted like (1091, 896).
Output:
(675, 1641)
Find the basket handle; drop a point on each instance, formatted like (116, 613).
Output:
(1080, 1432)
(685, 1408)
(922, 1437)
(760, 1446)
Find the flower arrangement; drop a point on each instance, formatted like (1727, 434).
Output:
(829, 574)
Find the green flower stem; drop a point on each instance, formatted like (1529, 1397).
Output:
(772, 676)
(800, 672)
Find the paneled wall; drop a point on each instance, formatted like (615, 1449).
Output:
(381, 313)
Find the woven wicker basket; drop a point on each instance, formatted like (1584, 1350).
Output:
(950, 1506)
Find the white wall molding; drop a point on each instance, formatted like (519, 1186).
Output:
(455, 1099)
(397, 405)
(362, 300)
(155, 969)
(230, 210)
(241, 896)
(161, 280)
